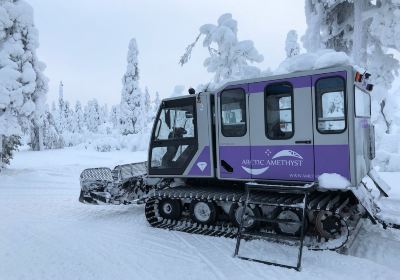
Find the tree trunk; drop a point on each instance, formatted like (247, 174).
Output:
(359, 51)
(35, 139)
(41, 142)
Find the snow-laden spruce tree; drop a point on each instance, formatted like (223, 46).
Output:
(59, 109)
(68, 117)
(23, 85)
(52, 139)
(154, 106)
(79, 121)
(131, 99)
(292, 46)
(103, 114)
(114, 116)
(92, 115)
(147, 106)
(229, 58)
(368, 31)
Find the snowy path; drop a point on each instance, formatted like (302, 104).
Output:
(45, 233)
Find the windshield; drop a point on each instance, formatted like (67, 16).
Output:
(175, 122)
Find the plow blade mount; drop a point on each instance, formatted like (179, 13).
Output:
(372, 193)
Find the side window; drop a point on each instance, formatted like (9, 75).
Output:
(233, 113)
(330, 105)
(362, 103)
(278, 110)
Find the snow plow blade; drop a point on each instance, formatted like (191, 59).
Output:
(125, 184)
(372, 194)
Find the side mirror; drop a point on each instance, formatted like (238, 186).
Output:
(168, 118)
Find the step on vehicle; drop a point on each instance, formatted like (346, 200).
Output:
(275, 134)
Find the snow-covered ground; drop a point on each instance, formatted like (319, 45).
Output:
(45, 233)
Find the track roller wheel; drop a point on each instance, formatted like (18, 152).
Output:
(203, 212)
(170, 208)
(328, 225)
(289, 228)
(235, 214)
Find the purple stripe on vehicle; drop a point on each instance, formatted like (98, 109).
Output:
(234, 155)
(332, 159)
(202, 166)
(284, 162)
(297, 82)
(331, 74)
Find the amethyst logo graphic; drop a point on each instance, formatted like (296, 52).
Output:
(202, 165)
(283, 159)
(255, 171)
(287, 153)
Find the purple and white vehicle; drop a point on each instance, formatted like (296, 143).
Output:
(277, 134)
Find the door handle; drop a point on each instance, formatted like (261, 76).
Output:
(226, 166)
(303, 142)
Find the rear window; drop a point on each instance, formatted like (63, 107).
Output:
(330, 105)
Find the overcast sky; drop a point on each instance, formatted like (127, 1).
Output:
(84, 43)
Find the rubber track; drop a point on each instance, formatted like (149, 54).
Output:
(226, 229)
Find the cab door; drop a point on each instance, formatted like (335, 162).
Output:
(331, 135)
(281, 130)
(233, 149)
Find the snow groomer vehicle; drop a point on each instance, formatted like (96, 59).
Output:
(283, 158)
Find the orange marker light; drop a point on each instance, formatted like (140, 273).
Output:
(358, 77)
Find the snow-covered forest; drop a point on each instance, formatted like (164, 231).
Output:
(362, 33)
(338, 32)
(65, 214)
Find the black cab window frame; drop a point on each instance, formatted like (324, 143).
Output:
(318, 96)
(243, 92)
(190, 141)
(266, 94)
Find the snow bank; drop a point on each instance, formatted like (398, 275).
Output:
(113, 142)
(333, 181)
(316, 60)
(46, 233)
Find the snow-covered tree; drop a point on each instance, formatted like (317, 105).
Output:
(114, 116)
(157, 101)
(23, 85)
(68, 117)
(229, 58)
(79, 121)
(9, 145)
(147, 104)
(368, 31)
(130, 112)
(292, 46)
(154, 106)
(52, 139)
(92, 115)
(59, 112)
(103, 114)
